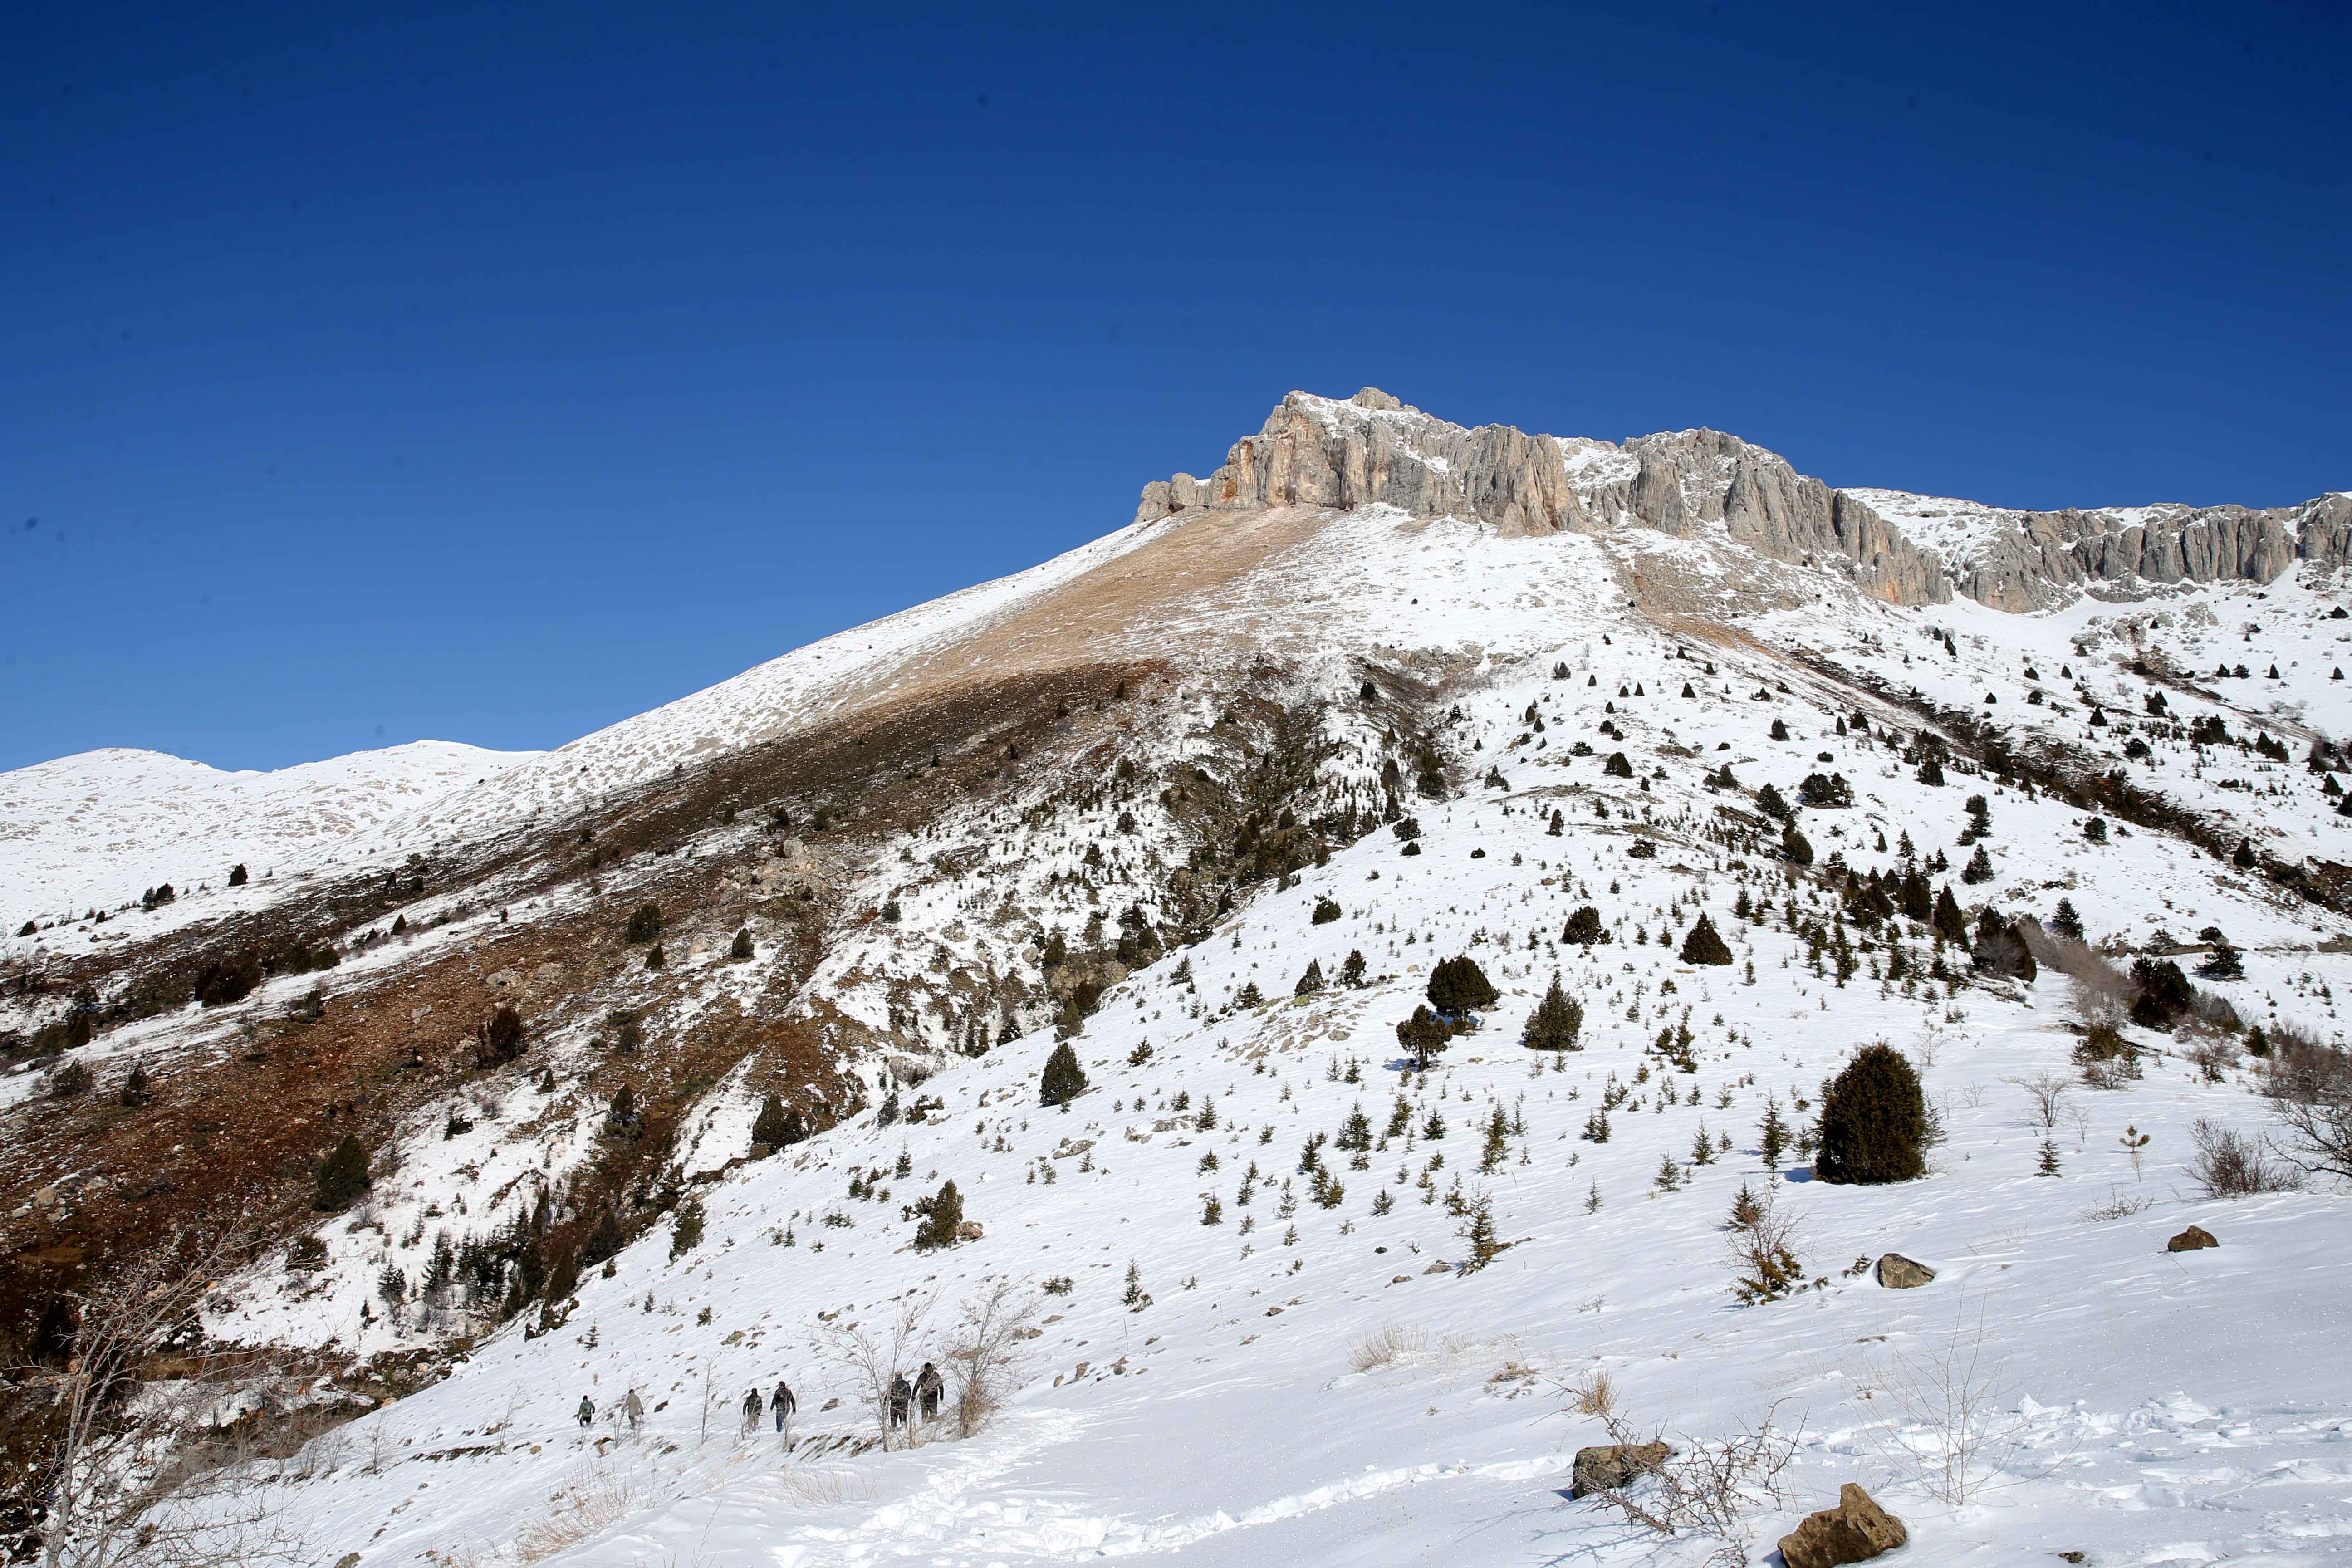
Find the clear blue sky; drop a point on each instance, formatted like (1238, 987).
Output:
(495, 373)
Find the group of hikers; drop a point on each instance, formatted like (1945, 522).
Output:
(918, 1400)
(633, 1410)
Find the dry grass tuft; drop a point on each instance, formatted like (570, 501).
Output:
(1595, 1394)
(1385, 1346)
(594, 1503)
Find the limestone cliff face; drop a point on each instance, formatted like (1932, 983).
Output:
(1372, 449)
(1692, 479)
(2036, 559)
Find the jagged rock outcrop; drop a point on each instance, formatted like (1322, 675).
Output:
(1691, 479)
(1372, 449)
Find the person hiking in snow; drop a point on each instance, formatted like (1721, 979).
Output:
(782, 1402)
(586, 1413)
(634, 1408)
(902, 1394)
(751, 1411)
(929, 1387)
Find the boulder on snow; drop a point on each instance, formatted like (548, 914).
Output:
(1897, 1272)
(2194, 1240)
(1607, 1467)
(1856, 1530)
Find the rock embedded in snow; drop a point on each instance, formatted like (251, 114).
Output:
(1856, 1530)
(1897, 1272)
(1609, 1466)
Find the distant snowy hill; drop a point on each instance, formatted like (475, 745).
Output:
(95, 829)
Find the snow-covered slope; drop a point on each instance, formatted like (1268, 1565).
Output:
(1213, 738)
(1315, 1384)
(97, 829)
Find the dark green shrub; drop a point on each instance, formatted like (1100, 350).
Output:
(1704, 944)
(1873, 1124)
(1325, 911)
(940, 1214)
(1424, 1035)
(1584, 928)
(1556, 1023)
(228, 980)
(1796, 845)
(687, 1236)
(2164, 993)
(770, 1127)
(1618, 767)
(1457, 986)
(1064, 1079)
(342, 1177)
(645, 924)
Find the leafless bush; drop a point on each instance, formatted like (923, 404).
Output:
(986, 1347)
(1762, 1247)
(2047, 1092)
(873, 1358)
(130, 1483)
(2214, 1056)
(592, 1503)
(1953, 1432)
(2310, 1089)
(1704, 1492)
(1385, 1345)
(2232, 1164)
(2099, 986)
(2120, 1205)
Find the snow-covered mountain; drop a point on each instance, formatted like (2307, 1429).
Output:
(1209, 800)
(96, 830)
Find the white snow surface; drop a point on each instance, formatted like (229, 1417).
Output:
(97, 829)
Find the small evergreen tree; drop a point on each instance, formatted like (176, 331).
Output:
(2065, 922)
(687, 1233)
(1351, 971)
(1457, 986)
(605, 1241)
(771, 1127)
(645, 924)
(1950, 924)
(1311, 982)
(1064, 1079)
(1978, 869)
(1498, 1141)
(1556, 1023)
(501, 1037)
(1423, 1036)
(1704, 944)
(236, 877)
(1772, 1134)
(1584, 928)
(2047, 1165)
(940, 1214)
(342, 1177)
(1796, 845)
(1873, 1124)
(1325, 911)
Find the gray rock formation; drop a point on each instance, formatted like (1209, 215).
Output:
(1612, 1466)
(1372, 449)
(1897, 1272)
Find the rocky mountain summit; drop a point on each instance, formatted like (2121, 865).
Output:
(1373, 450)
